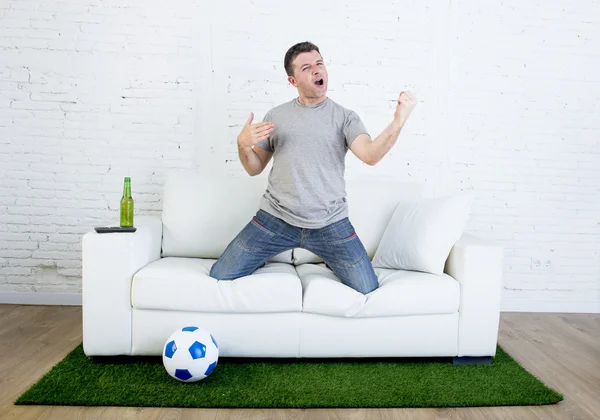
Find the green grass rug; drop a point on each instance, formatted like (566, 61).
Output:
(247, 382)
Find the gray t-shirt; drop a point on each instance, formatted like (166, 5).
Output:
(306, 185)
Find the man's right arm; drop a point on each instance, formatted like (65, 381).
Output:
(254, 160)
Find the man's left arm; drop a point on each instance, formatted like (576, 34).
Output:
(372, 151)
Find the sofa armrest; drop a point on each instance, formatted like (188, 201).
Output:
(109, 261)
(477, 265)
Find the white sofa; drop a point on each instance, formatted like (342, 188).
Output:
(140, 287)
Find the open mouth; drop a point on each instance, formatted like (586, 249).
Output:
(319, 82)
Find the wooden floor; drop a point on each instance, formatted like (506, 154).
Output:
(563, 350)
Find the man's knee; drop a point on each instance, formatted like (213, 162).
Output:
(366, 289)
(220, 271)
(214, 272)
(361, 277)
(235, 263)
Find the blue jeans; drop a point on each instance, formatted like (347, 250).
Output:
(266, 236)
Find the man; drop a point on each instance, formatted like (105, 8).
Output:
(304, 204)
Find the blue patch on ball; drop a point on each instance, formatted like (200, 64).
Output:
(213, 340)
(183, 374)
(170, 349)
(189, 329)
(210, 368)
(197, 350)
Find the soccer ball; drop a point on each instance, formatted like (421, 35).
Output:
(190, 354)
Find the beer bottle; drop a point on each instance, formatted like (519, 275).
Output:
(127, 205)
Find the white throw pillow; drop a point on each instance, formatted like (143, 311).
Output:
(421, 234)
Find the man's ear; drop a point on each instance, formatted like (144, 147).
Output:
(292, 81)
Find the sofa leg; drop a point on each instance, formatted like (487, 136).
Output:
(467, 360)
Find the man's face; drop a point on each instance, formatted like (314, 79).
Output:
(310, 75)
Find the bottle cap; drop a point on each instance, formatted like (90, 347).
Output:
(127, 179)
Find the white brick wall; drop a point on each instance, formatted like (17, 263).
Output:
(509, 94)
(90, 92)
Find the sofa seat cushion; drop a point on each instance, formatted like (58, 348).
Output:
(400, 292)
(184, 284)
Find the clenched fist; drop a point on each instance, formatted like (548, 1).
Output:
(405, 105)
(254, 133)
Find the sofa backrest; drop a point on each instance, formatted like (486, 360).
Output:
(202, 213)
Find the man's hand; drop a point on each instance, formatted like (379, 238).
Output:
(254, 133)
(406, 103)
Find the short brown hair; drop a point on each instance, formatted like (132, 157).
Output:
(294, 52)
